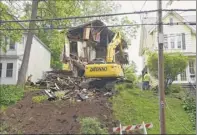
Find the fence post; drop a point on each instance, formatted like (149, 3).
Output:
(144, 127)
(120, 129)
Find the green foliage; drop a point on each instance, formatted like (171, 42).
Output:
(137, 106)
(54, 39)
(12, 35)
(130, 73)
(174, 88)
(120, 87)
(39, 99)
(189, 105)
(10, 94)
(92, 126)
(174, 64)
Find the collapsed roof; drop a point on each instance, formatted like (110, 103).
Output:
(106, 35)
(102, 39)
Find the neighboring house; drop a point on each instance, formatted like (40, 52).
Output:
(10, 61)
(177, 38)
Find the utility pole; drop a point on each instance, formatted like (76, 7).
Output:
(161, 70)
(25, 62)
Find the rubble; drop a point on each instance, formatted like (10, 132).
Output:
(61, 86)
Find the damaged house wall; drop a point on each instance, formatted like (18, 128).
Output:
(87, 42)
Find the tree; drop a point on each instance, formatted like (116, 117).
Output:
(174, 64)
(130, 72)
(54, 39)
(25, 62)
(7, 35)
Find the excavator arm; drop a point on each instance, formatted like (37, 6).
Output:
(112, 46)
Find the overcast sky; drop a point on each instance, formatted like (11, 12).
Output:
(130, 6)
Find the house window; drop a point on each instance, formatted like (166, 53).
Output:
(172, 41)
(171, 21)
(179, 41)
(9, 70)
(165, 41)
(12, 45)
(0, 69)
(183, 76)
(191, 67)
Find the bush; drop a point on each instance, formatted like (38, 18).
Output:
(174, 88)
(10, 94)
(38, 99)
(189, 105)
(120, 87)
(91, 126)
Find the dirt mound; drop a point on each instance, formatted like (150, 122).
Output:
(55, 116)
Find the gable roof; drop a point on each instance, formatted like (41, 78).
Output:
(23, 26)
(191, 18)
(148, 29)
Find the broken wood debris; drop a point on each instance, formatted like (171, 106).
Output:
(55, 83)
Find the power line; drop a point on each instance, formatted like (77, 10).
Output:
(92, 16)
(126, 25)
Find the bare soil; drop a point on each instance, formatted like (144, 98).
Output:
(55, 116)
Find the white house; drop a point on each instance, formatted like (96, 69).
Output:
(177, 38)
(10, 61)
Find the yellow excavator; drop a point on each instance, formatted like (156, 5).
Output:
(106, 72)
(100, 68)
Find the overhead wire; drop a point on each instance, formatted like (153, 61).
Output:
(126, 25)
(92, 16)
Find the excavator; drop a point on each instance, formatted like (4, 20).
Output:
(100, 68)
(106, 72)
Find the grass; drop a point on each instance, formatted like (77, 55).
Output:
(132, 106)
(91, 126)
(10, 94)
(31, 88)
(39, 99)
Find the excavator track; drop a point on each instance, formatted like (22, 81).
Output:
(105, 84)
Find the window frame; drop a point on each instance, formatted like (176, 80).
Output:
(10, 69)
(12, 44)
(190, 67)
(179, 40)
(171, 21)
(185, 76)
(172, 40)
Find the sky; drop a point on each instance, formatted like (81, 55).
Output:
(130, 6)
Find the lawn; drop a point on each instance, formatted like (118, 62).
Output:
(132, 106)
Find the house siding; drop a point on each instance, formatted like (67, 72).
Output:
(39, 60)
(38, 64)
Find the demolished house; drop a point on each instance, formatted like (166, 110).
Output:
(87, 42)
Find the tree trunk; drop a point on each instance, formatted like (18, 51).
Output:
(25, 62)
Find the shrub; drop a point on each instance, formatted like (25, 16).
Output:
(91, 126)
(38, 99)
(10, 94)
(189, 106)
(174, 64)
(175, 88)
(120, 87)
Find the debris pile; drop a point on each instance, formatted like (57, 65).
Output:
(58, 85)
